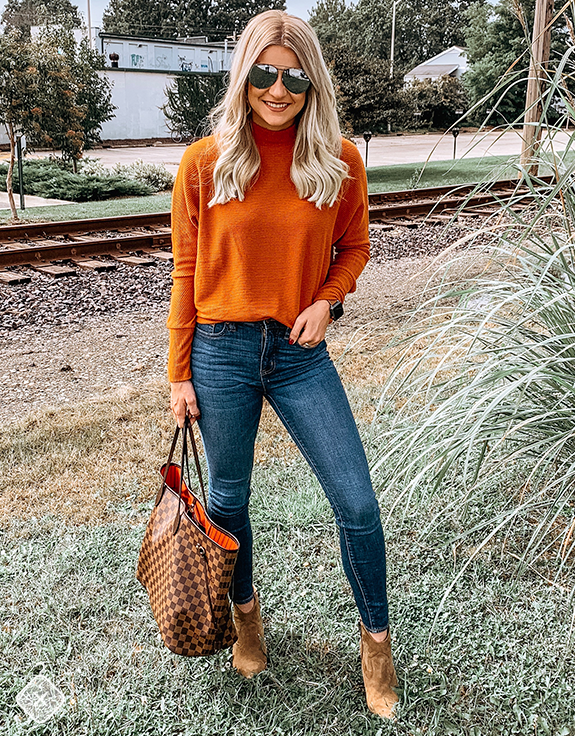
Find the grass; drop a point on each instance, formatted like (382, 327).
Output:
(79, 487)
(380, 179)
(439, 173)
(443, 173)
(87, 210)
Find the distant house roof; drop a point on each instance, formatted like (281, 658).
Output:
(431, 71)
(452, 62)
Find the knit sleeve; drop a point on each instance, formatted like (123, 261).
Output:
(351, 232)
(182, 317)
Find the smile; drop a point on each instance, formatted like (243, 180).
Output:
(276, 105)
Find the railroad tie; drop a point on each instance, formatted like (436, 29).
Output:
(134, 260)
(13, 277)
(51, 269)
(90, 264)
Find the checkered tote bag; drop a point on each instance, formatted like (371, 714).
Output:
(186, 564)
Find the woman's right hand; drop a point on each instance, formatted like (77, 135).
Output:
(183, 400)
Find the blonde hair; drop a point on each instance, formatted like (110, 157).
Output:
(317, 170)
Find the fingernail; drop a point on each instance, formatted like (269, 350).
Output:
(291, 341)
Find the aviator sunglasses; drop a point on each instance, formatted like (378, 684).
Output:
(263, 76)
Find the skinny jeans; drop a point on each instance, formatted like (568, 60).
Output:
(234, 366)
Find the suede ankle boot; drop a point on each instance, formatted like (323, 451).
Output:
(378, 674)
(250, 649)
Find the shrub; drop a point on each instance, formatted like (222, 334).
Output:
(483, 394)
(46, 179)
(190, 99)
(155, 176)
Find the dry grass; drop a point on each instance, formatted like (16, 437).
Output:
(92, 462)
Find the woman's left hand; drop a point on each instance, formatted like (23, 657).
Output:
(309, 328)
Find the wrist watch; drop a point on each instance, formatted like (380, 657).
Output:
(335, 309)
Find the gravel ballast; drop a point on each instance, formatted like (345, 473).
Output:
(66, 340)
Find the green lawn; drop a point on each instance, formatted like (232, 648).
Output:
(439, 173)
(380, 179)
(498, 662)
(86, 210)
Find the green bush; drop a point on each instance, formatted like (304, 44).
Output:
(155, 176)
(46, 178)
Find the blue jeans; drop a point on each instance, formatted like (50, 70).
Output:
(234, 365)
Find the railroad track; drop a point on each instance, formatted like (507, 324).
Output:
(60, 248)
(82, 243)
(467, 198)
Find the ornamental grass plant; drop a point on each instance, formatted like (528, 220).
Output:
(482, 397)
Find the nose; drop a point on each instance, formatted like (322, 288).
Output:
(277, 89)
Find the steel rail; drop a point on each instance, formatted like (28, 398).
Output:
(42, 253)
(458, 190)
(36, 230)
(84, 240)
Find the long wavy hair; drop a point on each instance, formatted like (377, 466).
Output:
(317, 170)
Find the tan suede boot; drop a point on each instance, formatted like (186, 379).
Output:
(250, 649)
(378, 674)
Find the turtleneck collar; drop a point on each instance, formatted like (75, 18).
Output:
(263, 136)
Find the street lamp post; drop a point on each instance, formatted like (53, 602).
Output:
(366, 138)
(89, 25)
(20, 147)
(454, 133)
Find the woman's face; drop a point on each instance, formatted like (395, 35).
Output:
(275, 108)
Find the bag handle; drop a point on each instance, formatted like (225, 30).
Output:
(184, 461)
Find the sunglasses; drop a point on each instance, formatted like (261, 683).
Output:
(264, 76)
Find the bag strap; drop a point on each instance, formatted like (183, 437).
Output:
(188, 432)
(188, 426)
(167, 468)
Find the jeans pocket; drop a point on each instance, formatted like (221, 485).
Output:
(212, 331)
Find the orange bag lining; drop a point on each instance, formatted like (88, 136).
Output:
(196, 510)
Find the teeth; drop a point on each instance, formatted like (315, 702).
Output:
(278, 106)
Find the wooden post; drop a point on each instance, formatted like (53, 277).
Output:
(540, 47)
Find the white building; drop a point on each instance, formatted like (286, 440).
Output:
(196, 54)
(452, 62)
(140, 70)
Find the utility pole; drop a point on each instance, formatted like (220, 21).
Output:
(89, 26)
(540, 47)
(392, 50)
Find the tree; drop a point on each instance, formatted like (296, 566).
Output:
(438, 100)
(227, 16)
(23, 14)
(37, 98)
(369, 98)
(190, 99)
(151, 18)
(423, 29)
(94, 91)
(498, 39)
(176, 18)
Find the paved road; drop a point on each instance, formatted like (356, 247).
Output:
(383, 151)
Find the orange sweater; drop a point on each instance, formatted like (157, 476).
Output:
(269, 256)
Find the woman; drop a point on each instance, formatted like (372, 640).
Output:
(257, 209)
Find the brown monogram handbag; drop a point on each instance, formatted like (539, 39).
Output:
(186, 563)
